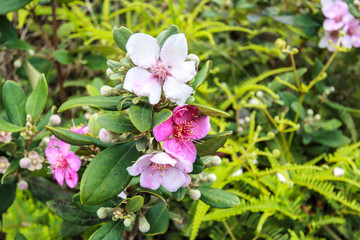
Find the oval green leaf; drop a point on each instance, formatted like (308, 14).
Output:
(89, 209)
(158, 218)
(111, 230)
(37, 99)
(14, 102)
(198, 166)
(12, 5)
(209, 111)
(161, 117)
(179, 194)
(106, 176)
(8, 127)
(116, 123)
(121, 36)
(211, 143)
(218, 198)
(141, 116)
(7, 193)
(135, 204)
(106, 103)
(202, 75)
(164, 35)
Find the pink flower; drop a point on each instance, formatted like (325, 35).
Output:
(161, 169)
(159, 68)
(324, 41)
(352, 34)
(64, 163)
(5, 137)
(179, 131)
(337, 14)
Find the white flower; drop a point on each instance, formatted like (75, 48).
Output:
(159, 68)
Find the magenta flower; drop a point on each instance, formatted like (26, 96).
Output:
(64, 163)
(337, 14)
(179, 132)
(159, 68)
(161, 169)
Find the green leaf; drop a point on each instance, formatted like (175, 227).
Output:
(77, 139)
(202, 75)
(14, 165)
(7, 193)
(141, 116)
(331, 125)
(90, 209)
(18, 44)
(161, 117)
(135, 204)
(95, 62)
(37, 99)
(12, 5)
(111, 230)
(106, 176)
(44, 190)
(337, 106)
(94, 126)
(65, 209)
(32, 73)
(330, 138)
(209, 111)
(116, 123)
(63, 56)
(121, 36)
(124, 103)
(14, 102)
(19, 236)
(305, 20)
(158, 218)
(198, 166)
(164, 35)
(105, 103)
(218, 198)
(179, 194)
(142, 143)
(211, 143)
(294, 107)
(8, 127)
(7, 30)
(70, 230)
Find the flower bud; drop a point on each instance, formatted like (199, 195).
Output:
(332, 89)
(109, 72)
(144, 225)
(259, 94)
(279, 43)
(17, 63)
(4, 164)
(327, 91)
(211, 161)
(270, 134)
(211, 178)
(103, 212)
(104, 90)
(241, 121)
(237, 173)
(31, 52)
(193, 57)
(281, 177)
(25, 162)
(194, 194)
(22, 185)
(338, 172)
(127, 222)
(247, 119)
(310, 112)
(276, 152)
(103, 135)
(28, 118)
(254, 101)
(54, 120)
(317, 117)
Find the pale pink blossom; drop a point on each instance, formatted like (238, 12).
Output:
(159, 68)
(4, 164)
(352, 34)
(329, 36)
(5, 137)
(337, 14)
(161, 169)
(35, 161)
(64, 163)
(179, 132)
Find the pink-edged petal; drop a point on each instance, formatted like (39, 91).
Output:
(150, 179)
(135, 80)
(200, 127)
(153, 91)
(173, 179)
(184, 114)
(59, 175)
(163, 158)
(331, 25)
(64, 147)
(176, 91)
(164, 130)
(183, 71)
(184, 165)
(140, 165)
(52, 154)
(182, 150)
(73, 161)
(143, 49)
(71, 178)
(188, 180)
(174, 50)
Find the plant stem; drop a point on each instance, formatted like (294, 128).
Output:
(229, 231)
(294, 69)
(296, 117)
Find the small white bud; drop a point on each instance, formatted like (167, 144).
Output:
(241, 121)
(211, 178)
(25, 162)
(255, 161)
(338, 172)
(240, 129)
(254, 101)
(310, 112)
(194, 194)
(237, 173)
(193, 57)
(28, 118)
(103, 135)
(109, 72)
(31, 52)
(332, 89)
(317, 117)
(103, 212)
(259, 94)
(327, 91)
(144, 225)
(54, 120)
(247, 119)
(215, 161)
(17, 63)
(22, 185)
(127, 222)
(281, 177)
(104, 90)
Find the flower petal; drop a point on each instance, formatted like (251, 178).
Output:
(183, 71)
(184, 165)
(173, 179)
(150, 180)
(176, 91)
(184, 114)
(71, 178)
(163, 158)
(73, 161)
(153, 91)
(59, 175)
(200, 127)
(140, 165)
(174, 50)
(182, 150)
(135, 80)
(164, 130)
(143, 49)
(188, 180)
(52, 154)
(64, 147)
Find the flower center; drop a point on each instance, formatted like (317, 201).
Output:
(159, 168)
(2, 165)
(62, 162)
(160, 71)
(182, 131)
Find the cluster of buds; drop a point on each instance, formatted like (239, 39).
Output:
(118, 70)
(310, 118)
(282, 45)
(33, 161)
(4, 164)
(30, 131)
(323, 97)
(117, 214)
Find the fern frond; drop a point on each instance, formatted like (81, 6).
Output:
(201, 209)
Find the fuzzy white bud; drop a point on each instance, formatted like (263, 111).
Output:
(109, 72)
(247, 119)
(338, 172)
(127, 222)
(22, 185)
(25, 162)
(144, 225)
(31, 52)
(259, 94)
(54, 120)
(103, 212)
(104, 90)
(317, 117)
(281, 177)
(103, 135)
(17, 63)
(237, 173)
(310, 112)
(194, 194)
(211, 178)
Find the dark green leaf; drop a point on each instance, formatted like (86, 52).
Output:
(63, 56)
(337, 106)
(90, 209)
(142, 143)
(12, 5)
(17, 44)
(330, 138)
(14, 102)
(141, 116)
(179, 194)
(65, 209)
(110, 231)
(161, 117)
(158, 218)
(202, 75)
(19, 236)
(37, 99)
(209, 111)
(7, 193)
(218, 198)
(95, 62)
(211, 143)
(69, 230)
(106, 176)
(164, 35)
(8, 127)
(7, 30)
(294, 107)
(124, 103)
(305, 20)
(198, 166)
(106, 103)
(135, 204)
(116, 123)
(121, 36)
(331, 125)
(14, 165)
